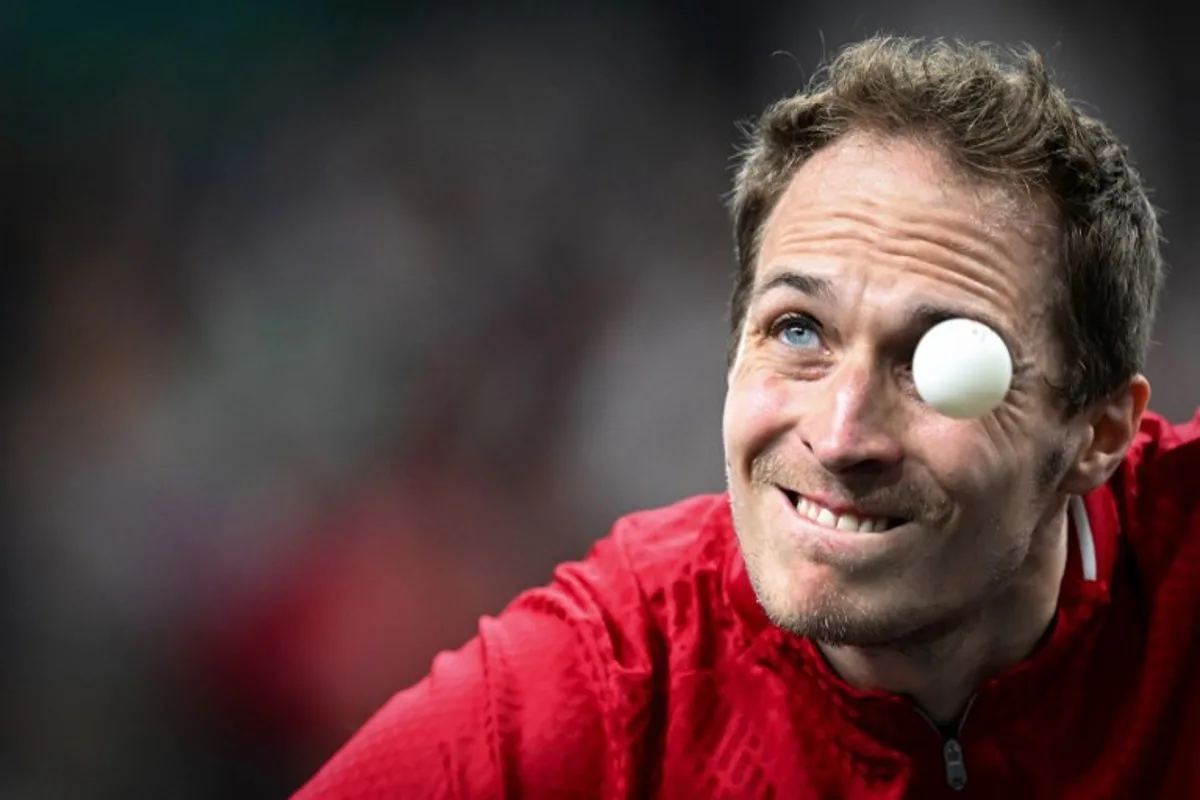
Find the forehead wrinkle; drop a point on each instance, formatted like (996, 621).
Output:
(968, 234)
(998, 207)
(921, 247)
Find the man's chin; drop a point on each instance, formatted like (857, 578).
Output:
(824, 612)
(834, 624)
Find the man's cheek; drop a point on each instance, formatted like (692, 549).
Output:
(756, 412)
(959, 451)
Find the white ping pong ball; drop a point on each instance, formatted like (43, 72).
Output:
(962, 368)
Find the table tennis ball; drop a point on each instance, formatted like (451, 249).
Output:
(962, 368)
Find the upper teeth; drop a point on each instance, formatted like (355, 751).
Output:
(843, 522)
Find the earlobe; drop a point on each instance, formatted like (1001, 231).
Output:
(1112, 425)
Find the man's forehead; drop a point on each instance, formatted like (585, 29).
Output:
(888, 170)
(986, 240)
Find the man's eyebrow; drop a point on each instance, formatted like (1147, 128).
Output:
(819, 288)
(921, 317)
(924, 316)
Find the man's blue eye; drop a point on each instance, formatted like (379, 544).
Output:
(800, 333)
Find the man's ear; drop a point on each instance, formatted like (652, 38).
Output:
(1110, 428)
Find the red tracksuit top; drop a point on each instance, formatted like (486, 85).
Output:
(648, 670)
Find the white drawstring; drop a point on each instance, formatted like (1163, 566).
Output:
(1087, 543)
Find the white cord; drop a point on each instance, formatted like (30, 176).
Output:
(1087, 543)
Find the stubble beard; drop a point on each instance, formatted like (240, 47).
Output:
(830, 616)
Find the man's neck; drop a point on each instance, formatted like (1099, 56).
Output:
(942, 674)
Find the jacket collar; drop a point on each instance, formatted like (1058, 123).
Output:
(882, 719)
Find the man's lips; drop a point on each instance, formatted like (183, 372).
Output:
(840, 516)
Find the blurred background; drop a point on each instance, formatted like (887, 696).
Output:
(329, 326)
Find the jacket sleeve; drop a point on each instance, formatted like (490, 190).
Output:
(522, 710)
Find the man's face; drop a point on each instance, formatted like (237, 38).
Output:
(864, 516)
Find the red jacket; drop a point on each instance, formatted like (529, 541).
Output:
(648, 670)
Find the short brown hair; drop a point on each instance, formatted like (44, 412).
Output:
(998, 116)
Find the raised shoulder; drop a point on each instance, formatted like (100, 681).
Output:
(682, 555)
(1158, 493)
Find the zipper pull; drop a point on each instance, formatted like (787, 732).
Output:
(956, 767)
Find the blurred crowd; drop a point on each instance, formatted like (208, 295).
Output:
(330, 328)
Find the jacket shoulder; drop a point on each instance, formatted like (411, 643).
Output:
(678, 542)
(1157, 491)
(681, 556)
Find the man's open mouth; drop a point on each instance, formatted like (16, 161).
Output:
(850, 521)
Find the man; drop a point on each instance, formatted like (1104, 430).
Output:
(888, 602)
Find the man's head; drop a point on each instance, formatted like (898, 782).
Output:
(913, 183)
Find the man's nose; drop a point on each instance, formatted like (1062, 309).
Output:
(852, 427)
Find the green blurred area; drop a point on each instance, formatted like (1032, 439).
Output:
(63, 62)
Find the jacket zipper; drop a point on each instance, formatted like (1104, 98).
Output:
(952, 752)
